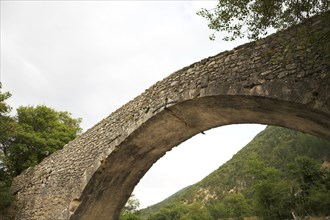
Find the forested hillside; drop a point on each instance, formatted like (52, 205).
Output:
(280, 174)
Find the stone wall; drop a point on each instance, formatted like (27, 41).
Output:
(274, 76)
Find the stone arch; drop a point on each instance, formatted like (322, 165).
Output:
(260, 82)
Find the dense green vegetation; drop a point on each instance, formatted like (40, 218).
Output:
(27, 138)
(252, 19)
(281, 173)
(39, 132)
(130, 211)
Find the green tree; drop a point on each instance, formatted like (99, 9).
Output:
(253, 18)
(129, 216)
(40, 131)
(306, 171)
(311, 187)
(236, 206)
(168, 213)
(194, 211)
(218, 210)
(318, 200)
(271, 192)
(7, 123)
(232, 206)
(7, 129)
(130, 210)
(177, 211)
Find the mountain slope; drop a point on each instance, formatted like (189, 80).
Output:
(272, 162)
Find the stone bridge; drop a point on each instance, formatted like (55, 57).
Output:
(281, 80)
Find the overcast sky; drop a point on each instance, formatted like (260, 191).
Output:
(91, 57)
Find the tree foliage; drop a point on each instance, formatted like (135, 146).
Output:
(232, 206)
(40, 132)
(7, 127)
(271, 193)
(130, 210)
(252, 19)
(7, 123)
(193, 211)
(311, 191)
(28, 137)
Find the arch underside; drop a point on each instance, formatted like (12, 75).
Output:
(113, 182)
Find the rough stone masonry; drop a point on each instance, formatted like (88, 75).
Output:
(282, 80)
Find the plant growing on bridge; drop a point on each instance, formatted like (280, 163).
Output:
(252, 19)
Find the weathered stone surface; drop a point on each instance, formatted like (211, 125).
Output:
(92, 176)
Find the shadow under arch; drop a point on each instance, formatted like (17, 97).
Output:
(259, 82)
(108, 191)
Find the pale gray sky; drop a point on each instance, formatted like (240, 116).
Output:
(91, 57)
